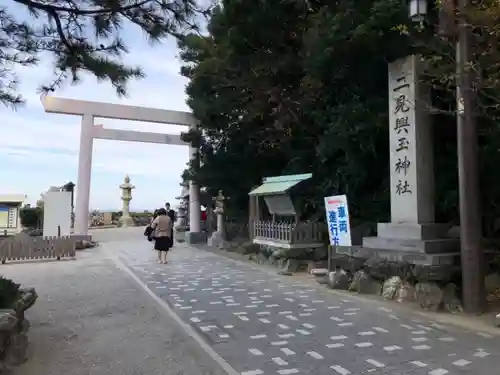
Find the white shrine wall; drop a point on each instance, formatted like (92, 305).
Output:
(57, 213)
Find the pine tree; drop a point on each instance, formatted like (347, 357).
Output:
(82, 36)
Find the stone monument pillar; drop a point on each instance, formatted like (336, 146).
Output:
(412, 227)
(126, 220)
(218, 237)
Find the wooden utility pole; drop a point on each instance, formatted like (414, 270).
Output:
(474, 296)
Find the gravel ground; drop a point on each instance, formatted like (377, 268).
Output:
(93, 319)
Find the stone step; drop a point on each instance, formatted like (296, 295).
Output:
(425, 231)
(443, 245)
(412, 257)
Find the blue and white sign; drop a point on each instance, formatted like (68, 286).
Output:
(337, 218)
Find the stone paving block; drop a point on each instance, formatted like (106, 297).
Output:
(274, 325)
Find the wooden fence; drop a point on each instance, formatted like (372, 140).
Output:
(292, 233)
(21, 247)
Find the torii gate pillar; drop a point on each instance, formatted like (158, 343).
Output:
(88, 110)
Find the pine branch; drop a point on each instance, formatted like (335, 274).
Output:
(84, 36)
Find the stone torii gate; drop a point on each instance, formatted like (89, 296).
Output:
(88, 110)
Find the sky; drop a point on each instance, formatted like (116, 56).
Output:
(39, 150)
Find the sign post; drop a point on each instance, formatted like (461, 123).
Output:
(337, 217)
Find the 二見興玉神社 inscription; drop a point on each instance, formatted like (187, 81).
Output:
(410, 156)
(402, 128)
(412, 228)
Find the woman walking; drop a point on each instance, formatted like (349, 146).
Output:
(162, 228)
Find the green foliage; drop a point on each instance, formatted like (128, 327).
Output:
(345, 98)
(440, 72)
(280, 88)
(9, 293)
(300, 95)
(31, 217)
(440, 55)
(81, 36)
(116, 215)
(243, 81)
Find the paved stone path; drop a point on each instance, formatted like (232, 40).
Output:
(263, 324)
(93, 319)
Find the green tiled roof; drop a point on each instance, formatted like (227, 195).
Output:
(279, 184)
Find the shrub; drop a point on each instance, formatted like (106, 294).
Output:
(9, 293)
(31, 217)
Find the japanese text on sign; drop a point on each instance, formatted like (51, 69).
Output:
(403, 163)
(337, 217)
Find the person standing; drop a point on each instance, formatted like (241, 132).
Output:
(171, 215)
(162, 230)
(170, 212)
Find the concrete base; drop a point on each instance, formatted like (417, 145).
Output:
(81, 237)
(196, 237)
(413, 238)
(424, 232)
(436, 246)
(126, 222)
(401, 256)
